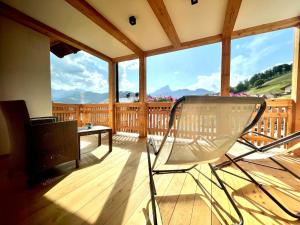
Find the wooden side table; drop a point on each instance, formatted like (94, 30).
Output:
(83, 131)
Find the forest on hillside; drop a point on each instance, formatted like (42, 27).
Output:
(259, 79)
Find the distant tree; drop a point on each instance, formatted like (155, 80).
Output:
(247, 84)
(254, 78)
(240, 87)
(258, 83)
(128, 95)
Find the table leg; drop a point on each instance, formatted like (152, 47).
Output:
(110, 140)
(99, 139)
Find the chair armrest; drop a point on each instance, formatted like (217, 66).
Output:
(43, 120)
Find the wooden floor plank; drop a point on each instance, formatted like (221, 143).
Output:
(168, 200)
(184, 206)
(143, 214)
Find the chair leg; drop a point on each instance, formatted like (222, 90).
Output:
(260, 186)
(152, 188)
(227, 194)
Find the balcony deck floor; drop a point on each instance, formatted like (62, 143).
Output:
(113, 189)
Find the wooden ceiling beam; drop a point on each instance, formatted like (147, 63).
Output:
(90, 12)
(170, 48)
(28, 21)
(232, 10)
(282, 24)
(125, 58)
(161, 13)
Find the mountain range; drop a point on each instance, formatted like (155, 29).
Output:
(166, 91)
(84, 97)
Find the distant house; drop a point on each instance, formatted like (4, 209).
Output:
(266, 96)
(287, 89)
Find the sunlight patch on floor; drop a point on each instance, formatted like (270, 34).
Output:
(85, 144)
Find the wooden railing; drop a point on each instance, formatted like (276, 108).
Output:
(154, 117)
(128, 117)
(96, 114)
(275, 122)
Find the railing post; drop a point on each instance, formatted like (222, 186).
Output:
(84, 115)
(78, 109)
(111, 96)
(143, 119)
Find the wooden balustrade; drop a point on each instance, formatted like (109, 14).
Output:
(66, 112)
(158, 117)
(153, 117)
(128, 117)
(275, 122)
(96, 114)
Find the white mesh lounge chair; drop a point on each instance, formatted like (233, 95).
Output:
(206, 128)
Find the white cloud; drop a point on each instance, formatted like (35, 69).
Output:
(211, 82)
(79, 71)
(125, 84)
(243, 65)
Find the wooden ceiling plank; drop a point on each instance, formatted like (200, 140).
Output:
(90, 12)
(28, 21)
(232, 10)
(160, 11)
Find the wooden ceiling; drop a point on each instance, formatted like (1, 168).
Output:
(101, 27)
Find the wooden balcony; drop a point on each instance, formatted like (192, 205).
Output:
(113, 189)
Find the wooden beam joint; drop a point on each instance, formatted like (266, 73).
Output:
(233, 7)
(161, 13)
(86, 9)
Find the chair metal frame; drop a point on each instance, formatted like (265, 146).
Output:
(265, 148)
(213, 168)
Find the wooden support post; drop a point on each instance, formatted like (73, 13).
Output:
(295, 96)
(225, 70)
(111, 96)
(142, 79)
(142, 97)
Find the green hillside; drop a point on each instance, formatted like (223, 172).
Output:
(273, 86)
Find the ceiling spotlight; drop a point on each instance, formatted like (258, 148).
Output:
(132, 20)
(193, 2)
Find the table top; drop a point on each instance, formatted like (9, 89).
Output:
(94, 128)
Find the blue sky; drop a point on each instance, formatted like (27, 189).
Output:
(192, 68)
